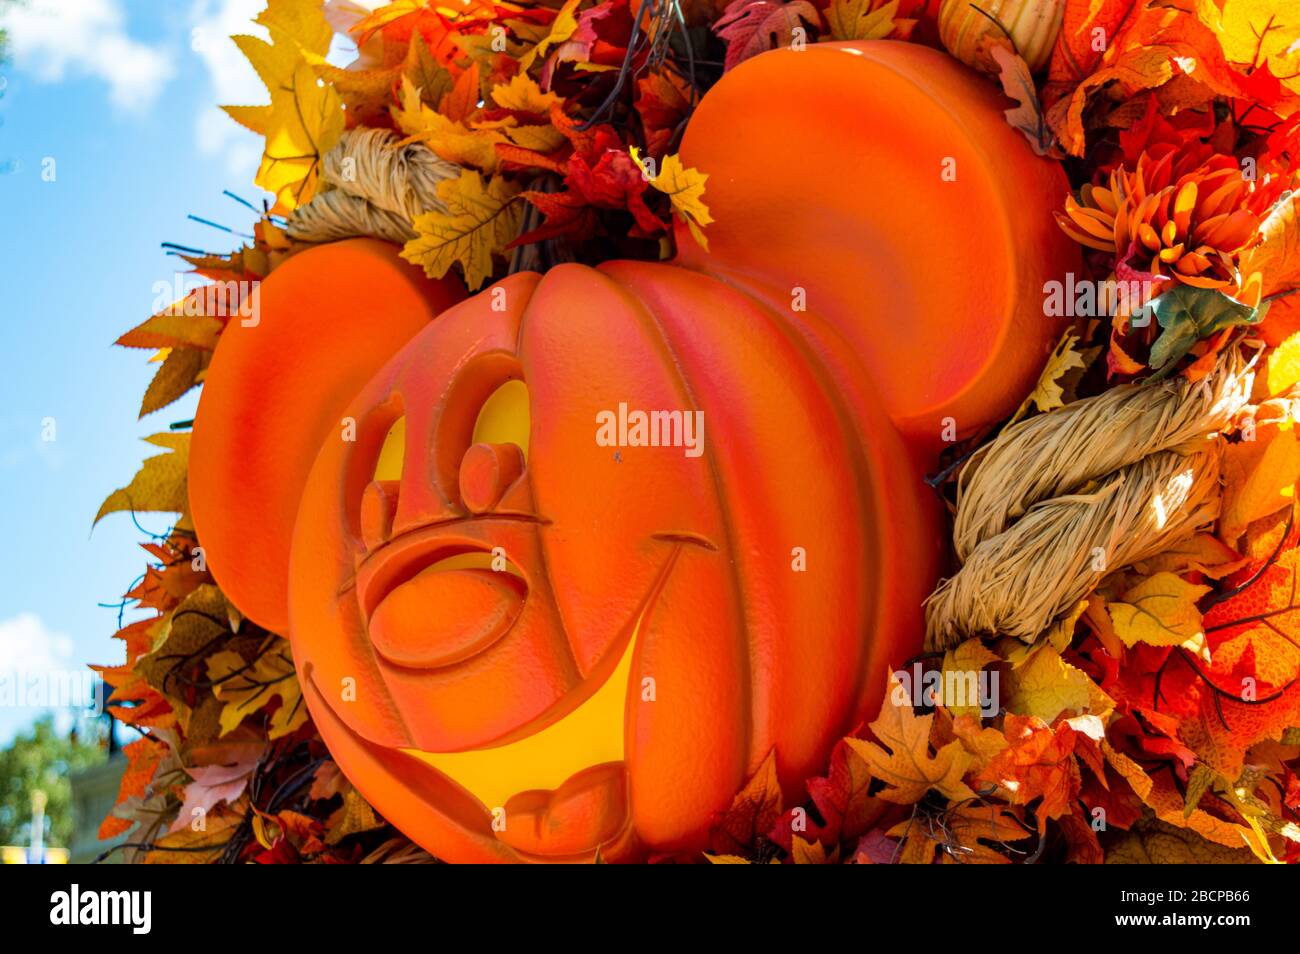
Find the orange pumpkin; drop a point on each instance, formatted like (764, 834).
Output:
(277, 387)
(528, 635)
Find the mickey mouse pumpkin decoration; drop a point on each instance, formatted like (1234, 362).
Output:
(524, 645)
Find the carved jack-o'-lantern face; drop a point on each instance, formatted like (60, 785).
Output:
(606, 538)
(613, 677)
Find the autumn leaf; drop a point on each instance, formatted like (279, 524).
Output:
(479, 223)
(861, 19)
(752, 813)
(301, 21)
(1202, 553)
(1046, 685)
(1156, 842)
(751, 27)
(305, 118)
(189, 845)
(246, 687)
(663, 99)
(847, 811)
(1282, 370)
(971, 826)
(907, 768)
(306, 122)
(1277, 253)
(1048, 393)
(684, 188)
(179, 373)
(174, 328)
(449, 139)
(1159, 611)
(965, 658)
(353, 817)
(523, 94)
(1038, 763)
(562, 28)
(1259, 477)
(161, 483)
(214, 784)
(1027, 115)
(1259, 32)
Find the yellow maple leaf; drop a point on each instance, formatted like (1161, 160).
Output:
(523, 93)
(1201, 552)
(451, 140)
(1259, 477)
(968, 657)
(562, 27)
(907, 768)
(245, 689)
(305, 118)
(1283, 371)
(305, 123)
(856, 20)
(1046, 685)
(1276, 257)
(684, 188)
(301, 22)
(1048, 393)
(1255, 32)
(161, 482)
(480, 221)
(1159, 611)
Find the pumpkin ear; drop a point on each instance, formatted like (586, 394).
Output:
(325, 321)
(881, 192)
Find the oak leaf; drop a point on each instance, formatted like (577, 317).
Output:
(907, 768)
(1027, 115)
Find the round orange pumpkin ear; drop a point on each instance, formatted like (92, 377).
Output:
(326, 321)
(881, 190)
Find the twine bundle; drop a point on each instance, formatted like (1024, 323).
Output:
(374, 188)
(1056, 502)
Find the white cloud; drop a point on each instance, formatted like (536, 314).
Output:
(231, 79)
(27, 646)
(50, 38)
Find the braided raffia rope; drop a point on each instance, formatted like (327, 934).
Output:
(1056, 502)
(372, 189)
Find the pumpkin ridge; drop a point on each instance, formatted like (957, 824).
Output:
(724, 508)
(791, 329)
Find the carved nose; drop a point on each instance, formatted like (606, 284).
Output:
(486, 471)
(378, 506)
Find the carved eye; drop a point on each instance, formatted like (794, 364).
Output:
(504, 417)
(388, 466)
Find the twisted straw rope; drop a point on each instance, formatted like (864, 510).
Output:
(373, 189)
(1056, 502)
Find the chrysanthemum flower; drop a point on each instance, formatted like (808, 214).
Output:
(1177, 215)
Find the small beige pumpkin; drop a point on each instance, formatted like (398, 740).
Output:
(968, 30)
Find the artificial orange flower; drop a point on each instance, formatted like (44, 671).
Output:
(1175, 215)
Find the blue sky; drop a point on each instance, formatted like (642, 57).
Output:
(121, 96)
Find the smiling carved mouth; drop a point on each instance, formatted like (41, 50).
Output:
(565, 784)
